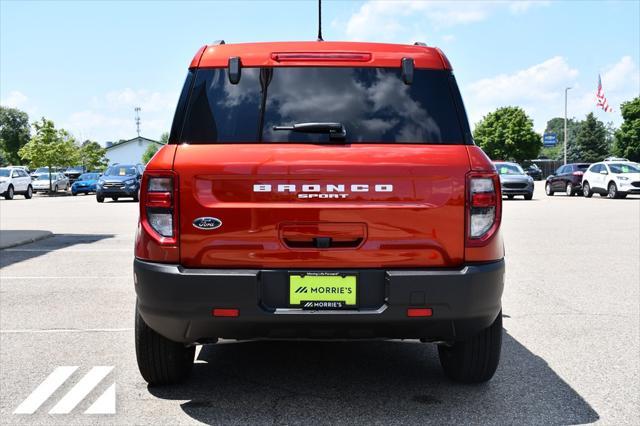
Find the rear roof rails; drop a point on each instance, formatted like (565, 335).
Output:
(217, 42)
(420, 43)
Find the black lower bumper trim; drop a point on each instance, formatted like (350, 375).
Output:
(177, 303)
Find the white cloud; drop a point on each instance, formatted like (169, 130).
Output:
(539, 89)
(148, 101)
(14, 99)
(522, 6)
(385, 20)
(111, 116)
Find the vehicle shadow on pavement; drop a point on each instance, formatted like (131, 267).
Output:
(368, 382)
(13, 255)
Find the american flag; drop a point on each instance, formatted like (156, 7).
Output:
(601, 99)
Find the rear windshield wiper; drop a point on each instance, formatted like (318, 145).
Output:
(336, 131)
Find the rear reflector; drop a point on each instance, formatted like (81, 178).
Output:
(419, 312)
(321, 56)
(218, 312)
(159, 199)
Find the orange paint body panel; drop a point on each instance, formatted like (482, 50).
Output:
(261, 54)
(417, 224)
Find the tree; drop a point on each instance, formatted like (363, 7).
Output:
(50, 147)
(152, 149)
(92, 156)
(507, 134)
(556, 125)
(164, 138)
(591, 141)
(149, 153)
(14, 133)
(627, 138)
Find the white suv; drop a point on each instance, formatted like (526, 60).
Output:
(14, 180)
(615, 179)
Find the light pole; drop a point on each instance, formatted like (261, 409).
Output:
(565, 123)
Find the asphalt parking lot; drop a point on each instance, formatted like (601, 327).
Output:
(571, 317)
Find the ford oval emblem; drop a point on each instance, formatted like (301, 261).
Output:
(207, 223)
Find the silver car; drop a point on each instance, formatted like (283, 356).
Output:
(59, 182)
(514, 181)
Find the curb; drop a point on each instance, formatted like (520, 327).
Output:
(25, 240)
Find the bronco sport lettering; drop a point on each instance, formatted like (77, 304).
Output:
(401, 239)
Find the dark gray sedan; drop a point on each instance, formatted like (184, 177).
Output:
(514, 181)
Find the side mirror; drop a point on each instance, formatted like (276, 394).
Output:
(604, 172)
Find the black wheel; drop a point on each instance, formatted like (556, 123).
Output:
(612, 191)
(100, 198)
(548, 190)
(9, 194)
(586, 190)
(74, 193)
(114, 198)
(55, 189)
(569, 190)
(474, 360)
(510, 197)
(528, 196)
(161, 361)
(136, 197)
(29, 192)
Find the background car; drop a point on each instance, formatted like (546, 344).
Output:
(41, 170)
(73, 173)
(120, 180)
(514, 181)
(86, 183)
(567, 179)
(58, 181)
(15, 181)
(612, 179)
(533, 170)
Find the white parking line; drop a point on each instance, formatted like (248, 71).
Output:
(67, 330)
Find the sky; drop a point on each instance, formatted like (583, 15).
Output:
(87, 64)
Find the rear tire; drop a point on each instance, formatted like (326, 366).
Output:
(569, 190)
(161, 361)
(29, 193)
(474, 360)
(586, 190)
(9, 194)
(548, 190)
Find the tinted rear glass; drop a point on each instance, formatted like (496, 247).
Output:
(373, 104)
(582, 167)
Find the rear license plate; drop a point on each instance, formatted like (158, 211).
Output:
(323, 290)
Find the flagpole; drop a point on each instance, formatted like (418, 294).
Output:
(565, 123)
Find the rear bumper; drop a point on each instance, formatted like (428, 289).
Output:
(177, 303)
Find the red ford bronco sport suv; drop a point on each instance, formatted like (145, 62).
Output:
(319, 190)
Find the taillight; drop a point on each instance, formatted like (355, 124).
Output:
(158, 206)
(484, 202)
(577, 173)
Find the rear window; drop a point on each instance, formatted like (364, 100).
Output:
(582, 167)
(373, 104)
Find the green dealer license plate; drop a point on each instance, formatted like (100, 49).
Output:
(323, 290)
